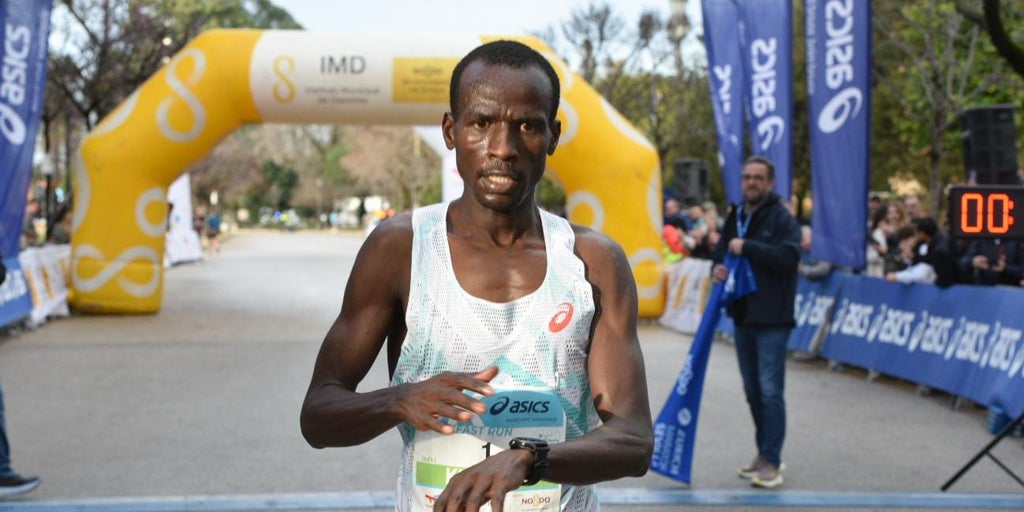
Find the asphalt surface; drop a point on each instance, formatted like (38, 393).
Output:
(203, 398)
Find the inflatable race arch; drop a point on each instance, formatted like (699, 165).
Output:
(226, 78)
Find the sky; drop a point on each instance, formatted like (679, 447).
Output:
(475, 17)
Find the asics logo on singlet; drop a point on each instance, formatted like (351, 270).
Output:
(519, 406)
(563, 315)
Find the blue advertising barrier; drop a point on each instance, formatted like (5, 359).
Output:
(813, 309)
(26, 27)
(964, 340)
(15, 298)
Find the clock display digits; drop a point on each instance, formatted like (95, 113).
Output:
(986, 211)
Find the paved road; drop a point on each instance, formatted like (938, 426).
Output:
(203, 398)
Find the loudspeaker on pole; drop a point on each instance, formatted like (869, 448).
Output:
(690, 179)
(989, 143)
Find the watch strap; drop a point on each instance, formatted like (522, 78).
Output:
(540, 450)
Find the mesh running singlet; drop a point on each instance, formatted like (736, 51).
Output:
(540, 340)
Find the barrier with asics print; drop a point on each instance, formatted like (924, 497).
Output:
(965, 340)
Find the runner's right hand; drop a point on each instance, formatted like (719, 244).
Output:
(423, 404)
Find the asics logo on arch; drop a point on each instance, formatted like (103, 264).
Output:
(563, 315)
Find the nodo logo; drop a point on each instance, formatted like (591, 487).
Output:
(520, 406)
(536, 500)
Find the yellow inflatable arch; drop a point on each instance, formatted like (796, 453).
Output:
(225, 78)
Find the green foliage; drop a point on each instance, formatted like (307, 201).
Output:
(279, 189)
(332, 164)
(434, 191)
(930, 64)
(550, 195)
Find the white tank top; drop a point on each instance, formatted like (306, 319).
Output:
(538, 341)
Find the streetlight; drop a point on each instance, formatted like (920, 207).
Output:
(678, 21)
(47, 168)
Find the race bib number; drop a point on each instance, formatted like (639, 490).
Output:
(437, 458)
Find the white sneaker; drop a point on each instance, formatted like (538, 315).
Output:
(768, 477)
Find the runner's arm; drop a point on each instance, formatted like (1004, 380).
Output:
(623, 444)
(334, 413)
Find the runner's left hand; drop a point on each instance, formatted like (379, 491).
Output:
(488, 480)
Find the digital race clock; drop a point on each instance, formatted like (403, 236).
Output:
(986, 212)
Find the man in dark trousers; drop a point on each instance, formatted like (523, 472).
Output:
(11, 483)
(763, 230)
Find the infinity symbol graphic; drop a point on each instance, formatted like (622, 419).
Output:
(198, 113)
(120, 262)
(282, 73)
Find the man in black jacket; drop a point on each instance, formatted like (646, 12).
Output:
(763, 230)
(936, 251)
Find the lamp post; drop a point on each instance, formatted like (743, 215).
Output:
(47, 169)
(679, 27)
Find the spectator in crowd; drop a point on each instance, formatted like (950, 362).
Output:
(29, 235)
(675, 248)
(895, 219)
(874, 204)
(674, 215)
(712, 230)
(935, 248)
(712, 217)
(909, 268)
(695, 215)
(696, 238)
(878, 246)
(993, 262)
(809, 267)
(766, 233)
(61, 232)
(913, 207)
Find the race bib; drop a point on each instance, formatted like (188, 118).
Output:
(510, 413)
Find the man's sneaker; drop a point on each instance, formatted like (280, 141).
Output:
(751, 471)
(769, 477)
(755, 465)
(16, 484)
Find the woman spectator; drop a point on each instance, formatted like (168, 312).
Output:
(878, 246)
(895, 219)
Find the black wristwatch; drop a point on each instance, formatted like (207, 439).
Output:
(540, 449)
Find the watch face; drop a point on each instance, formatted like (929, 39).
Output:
(529, 443)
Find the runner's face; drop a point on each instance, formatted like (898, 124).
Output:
(756, 184)
(502, 135)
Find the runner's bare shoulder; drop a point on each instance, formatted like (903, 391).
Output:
(598, 251)
(387, 251)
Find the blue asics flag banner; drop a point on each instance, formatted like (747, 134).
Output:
(675, 431)
(838, 70)
(766, 35)
(26, 27)
(725, 74)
